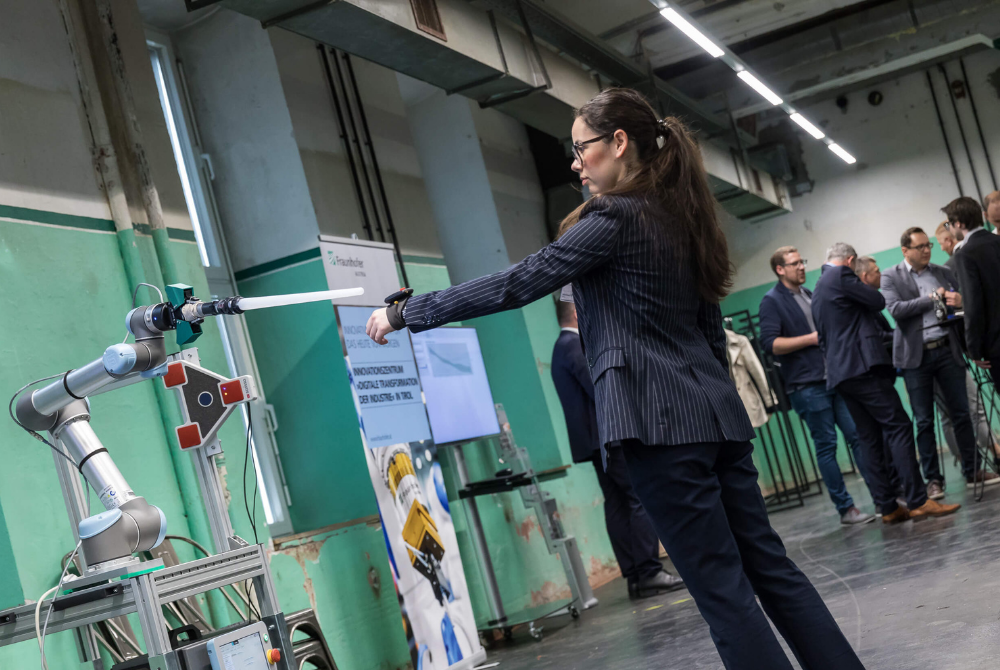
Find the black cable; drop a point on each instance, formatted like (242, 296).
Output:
(10, 410)
(189, 541)
(246, 461)
(248, 586)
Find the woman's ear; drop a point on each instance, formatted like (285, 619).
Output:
(620, 143)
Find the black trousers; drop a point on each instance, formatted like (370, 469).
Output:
(706, 506)
(883, 424)
(633, 538)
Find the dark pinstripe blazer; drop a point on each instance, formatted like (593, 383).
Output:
(656, 350)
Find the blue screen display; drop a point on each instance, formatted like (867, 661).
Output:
(456, 389)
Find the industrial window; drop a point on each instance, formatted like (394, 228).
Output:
(194, 167)
(428, 18)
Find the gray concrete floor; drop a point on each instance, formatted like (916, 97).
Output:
(916, 595)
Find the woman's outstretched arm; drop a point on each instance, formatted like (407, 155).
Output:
(583, 248)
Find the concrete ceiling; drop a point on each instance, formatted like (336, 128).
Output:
(170, 15)
(794, 44)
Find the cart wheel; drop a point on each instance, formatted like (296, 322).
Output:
(508, 633)
(535, 631)
(574, 612)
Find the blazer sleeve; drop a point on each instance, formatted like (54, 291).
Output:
(586, 246)
(973, 300)
(770, 323)
(710, 324)
(899, 308)
(857, 291)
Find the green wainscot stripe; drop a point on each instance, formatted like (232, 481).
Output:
(277, 264)
(178, 234)
(56, 219)
(84, 222)
(424, 260)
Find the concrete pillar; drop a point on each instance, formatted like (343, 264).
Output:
(454, 172)
(455, 175)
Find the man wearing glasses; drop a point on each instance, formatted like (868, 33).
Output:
(789, 334)
(919, 295)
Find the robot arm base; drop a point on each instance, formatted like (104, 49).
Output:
(118, 533)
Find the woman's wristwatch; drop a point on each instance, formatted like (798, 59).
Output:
(396, 303)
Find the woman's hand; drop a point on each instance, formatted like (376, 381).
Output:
(378, 326)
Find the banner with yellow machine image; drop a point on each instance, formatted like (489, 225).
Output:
(406, 477)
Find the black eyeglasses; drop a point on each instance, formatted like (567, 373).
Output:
(578, 147)
(927, 246)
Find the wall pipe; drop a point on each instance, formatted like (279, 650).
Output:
(105, 158)
(979, 128)
(961, 131)
(150, 195)
(378, 173)
(97, 27)
(357, 142)
(106, 165)
(947, 144)
(365, 223)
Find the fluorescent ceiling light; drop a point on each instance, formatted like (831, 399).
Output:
(808, 127)
(758, 86)
(685, 27)
(847, 158)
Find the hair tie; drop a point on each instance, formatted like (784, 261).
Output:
(662, 129)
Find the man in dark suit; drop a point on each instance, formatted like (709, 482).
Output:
(632, 536)
(918, 294)
(787, 333)
(979, 272)
(860, 368)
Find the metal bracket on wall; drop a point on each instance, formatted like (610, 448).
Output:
(503, 61)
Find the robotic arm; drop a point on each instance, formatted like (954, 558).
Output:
(62, 409)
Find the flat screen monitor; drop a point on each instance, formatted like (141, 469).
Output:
(456, 390)
(244, 653)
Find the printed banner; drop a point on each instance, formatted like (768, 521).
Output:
(350, 263)
(427, 571)
(384, 378)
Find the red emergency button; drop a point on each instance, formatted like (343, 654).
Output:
(189, 436)
(232, 392)
(273, 656)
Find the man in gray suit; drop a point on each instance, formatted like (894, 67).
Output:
(916, 293)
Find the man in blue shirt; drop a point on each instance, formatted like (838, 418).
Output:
(789, 334)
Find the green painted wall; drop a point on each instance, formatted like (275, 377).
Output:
(77, 271)
(302, 370)
(66, 282)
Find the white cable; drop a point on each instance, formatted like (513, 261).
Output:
(38, 606)
(38, 630)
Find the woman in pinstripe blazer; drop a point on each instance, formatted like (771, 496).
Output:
(649, 264)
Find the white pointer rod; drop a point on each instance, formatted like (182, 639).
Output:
(246, 304)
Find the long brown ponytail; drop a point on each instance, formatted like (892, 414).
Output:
(671, 175)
